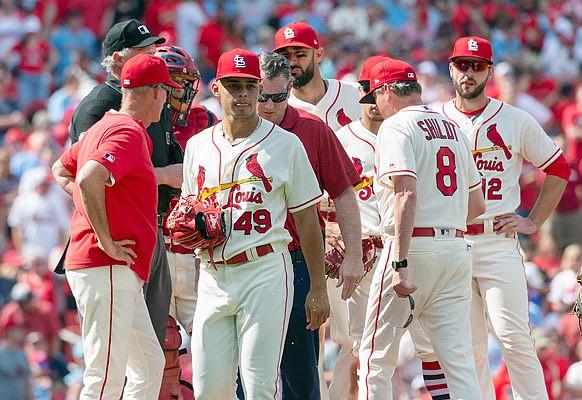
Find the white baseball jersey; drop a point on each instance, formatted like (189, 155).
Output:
(501, 137)
(360, 144)
(255, 182)
(338, 107)
(407, 143)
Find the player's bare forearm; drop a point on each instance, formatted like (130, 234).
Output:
(404, 214)
(476, 204)
(92, 179)
(348, 217)
(550, 194)
(63, 177)
(170, 175)
(316, 303)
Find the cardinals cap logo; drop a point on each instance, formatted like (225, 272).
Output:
(289, 33)
(472, 45)
(239, 61)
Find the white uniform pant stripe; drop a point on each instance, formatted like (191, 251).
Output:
(241, 319)
(113, 310)
(440, 267)
(500, 288)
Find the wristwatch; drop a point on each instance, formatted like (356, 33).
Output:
(399, 264)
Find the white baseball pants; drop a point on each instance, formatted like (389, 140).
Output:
(118, 337)
(184, 273)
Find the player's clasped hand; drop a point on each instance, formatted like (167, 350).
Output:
(120, 250)
(316, 308)
(509, 224)
(399, 285)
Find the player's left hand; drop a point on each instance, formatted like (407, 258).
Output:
(509, 224)
(316, 308)
(399, 284)
(350, 274)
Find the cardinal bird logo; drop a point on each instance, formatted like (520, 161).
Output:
(497, 140)
(358, 165)
(342, 118)
(255, 168)
(201, 177)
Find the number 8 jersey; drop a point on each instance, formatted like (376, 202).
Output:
(255, 183)
(501, 137)
(422, 143)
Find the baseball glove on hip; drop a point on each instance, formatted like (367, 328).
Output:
(196, 225)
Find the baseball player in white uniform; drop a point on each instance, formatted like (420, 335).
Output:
(336, 103)
(427, 188)
(255, 172)
(501, 137)
(359, 140)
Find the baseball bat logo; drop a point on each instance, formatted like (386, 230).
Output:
(495, 138)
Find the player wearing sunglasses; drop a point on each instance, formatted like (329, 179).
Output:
(336, 175)
(504, 136)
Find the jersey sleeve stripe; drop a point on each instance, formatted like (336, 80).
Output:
(550, 160)
(305, 204)
(399, 172)
(474, 186)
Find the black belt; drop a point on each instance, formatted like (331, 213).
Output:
(296, 255)
(161, 218)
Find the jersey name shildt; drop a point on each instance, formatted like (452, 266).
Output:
(433, 129)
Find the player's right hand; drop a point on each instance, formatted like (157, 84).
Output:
(351, 273)
(316, 308)
(120, 250)
(399, 284)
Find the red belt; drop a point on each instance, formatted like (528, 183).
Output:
(329, 216)
(176, 248)
(242, 257)
(431, 232)
(475, 229)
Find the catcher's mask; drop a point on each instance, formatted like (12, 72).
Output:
(183, 71)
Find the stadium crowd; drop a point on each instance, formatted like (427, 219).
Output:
(49, 60)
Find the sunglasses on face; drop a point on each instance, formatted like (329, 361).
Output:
(276, 97)
(477, 66)
(410, 316)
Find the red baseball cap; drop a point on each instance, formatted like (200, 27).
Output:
(388, 71)
(146, 70)
(296, 34)
(238, 63)
(474, 47)
(367, 67)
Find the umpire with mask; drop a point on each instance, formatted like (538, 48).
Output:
(124, 41)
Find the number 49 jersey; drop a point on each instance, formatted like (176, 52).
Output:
(501, 137)
(255, 183)
(422, 143)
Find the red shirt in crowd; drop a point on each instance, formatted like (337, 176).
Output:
(572, 116)
(121, 144)
(33, 54)
(37, 316)
(326, 156)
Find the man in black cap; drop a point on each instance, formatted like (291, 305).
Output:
(124, 41)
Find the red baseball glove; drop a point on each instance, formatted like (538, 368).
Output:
(335, 257)
(196, 225)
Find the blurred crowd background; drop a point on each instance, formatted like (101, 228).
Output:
(50, 57)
